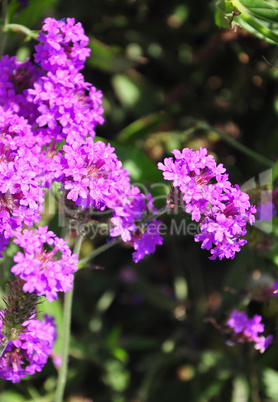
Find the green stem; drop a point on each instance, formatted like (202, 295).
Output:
(4, 20)
(98, 251)
(62, 378)
(21, 28)
(242, 148)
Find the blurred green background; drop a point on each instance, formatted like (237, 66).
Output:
(145, 332)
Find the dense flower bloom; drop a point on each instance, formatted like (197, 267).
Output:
(44, 272)
(221, 209)
(29, 353)
(248, 329)
(92, 175)
(93, 178)
(22, 174)
(16, 79)
(68, 107)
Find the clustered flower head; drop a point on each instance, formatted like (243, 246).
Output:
(221, 209)
(248, 329)
(45, 272)
(68, 107)
(30, 351)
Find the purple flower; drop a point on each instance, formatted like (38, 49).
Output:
(266, 211)
(29, 353)
(253, 326)
(237, 321)
(221, 209)
(247, 330)
(62, 97)
(263, 343)
(145, 242)
(92, 178)
(44, 272)
(23, 171)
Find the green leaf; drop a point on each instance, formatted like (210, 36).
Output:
(140, 128)
(8, 396)
(30, 15)
(223, 13)
(259, 17)
(240, 389)
(105, 58)
(139, 165)
(137, 93)
(270, 379)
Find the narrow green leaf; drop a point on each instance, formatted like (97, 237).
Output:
(140, 128)
(30, 15)
(105, 58)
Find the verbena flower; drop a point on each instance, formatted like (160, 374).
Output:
(16, 79)
(221, 209)
(92, 175)
(47, 263)
(29, 353)
(68, 107)
(248, 329)
(266, 211)
(22, 170)
(93, 178)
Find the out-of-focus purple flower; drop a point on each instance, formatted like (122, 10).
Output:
(24, 3)
(57, 360)
(44, 272)
(237, 321)
(248, 329)
(210, 198)
(29, 353)
(263, 343)
(128, 275)
(253, 327)
(266, 211)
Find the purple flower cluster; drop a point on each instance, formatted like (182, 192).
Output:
(48, 119)
(41, 104)
(248, 329)
(29, 353)
(91, 174)
(44, 272)
(221, 209)
(93, 178)
(21, 173)
(68, 107)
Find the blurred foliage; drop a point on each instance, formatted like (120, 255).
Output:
(171, 79)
